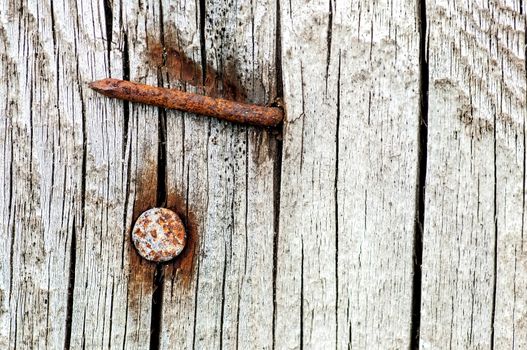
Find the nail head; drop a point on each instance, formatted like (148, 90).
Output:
(159, 235)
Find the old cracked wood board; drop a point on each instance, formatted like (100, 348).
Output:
(386, 212)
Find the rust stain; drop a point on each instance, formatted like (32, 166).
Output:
(172, 60)
(146, 190)
(183, 267)
(141, 272)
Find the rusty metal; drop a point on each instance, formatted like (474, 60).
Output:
(185, 101)
(159, 235)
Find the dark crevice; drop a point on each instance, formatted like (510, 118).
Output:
(157, 306)
(524, 142)
(71, 285)
(73, 247)
(111, 315)
(125, 326)
(162, 30)
(84, 133)
(161, 201)
(15, 328)
(252, 46)
(515, 294)
(302, 297)
(336, 199)
(203, 48)
(247, 151)
(57, 67)
(196, 292)
(223, 285)
(108, 17)
(238, 320)
(50, 201)
(48, 302)
(12, 212)
(161, 152)
(278, 54)
(241, 287)
(495, 216)
(328, 38)
(303, 116)
(277, 170)
(371, 41)
(421, 178)
(53, 31)
(11, 251)
(73, 254)
(126, 127)
(83, 344)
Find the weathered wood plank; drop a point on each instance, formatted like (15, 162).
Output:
(510, 327)
(219, 176)
(112, 287)
(76, 170)
(351, 87)
(71, 181)
(40, 167)
(116, 178)
(474, 271)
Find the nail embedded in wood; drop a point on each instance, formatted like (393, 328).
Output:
(189, 102)
(159, 235)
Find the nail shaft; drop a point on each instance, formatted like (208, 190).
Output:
(189, 102)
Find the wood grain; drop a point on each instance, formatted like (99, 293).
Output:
(474, 268)
(309, 246)
(73, 180)
(112, 286)
(345, 246)
(41, 168)
(219, 176)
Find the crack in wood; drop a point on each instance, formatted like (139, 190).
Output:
(420, 193)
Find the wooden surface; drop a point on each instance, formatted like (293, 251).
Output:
(403, 143)
(349, 161)
(474, 255)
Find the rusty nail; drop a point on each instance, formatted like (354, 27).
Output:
(188, 102)
(159, 235)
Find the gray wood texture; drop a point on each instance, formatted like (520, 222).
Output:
(351, 87)
(474, 272)
(403, 140)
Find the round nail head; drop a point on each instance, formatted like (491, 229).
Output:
(159, 235)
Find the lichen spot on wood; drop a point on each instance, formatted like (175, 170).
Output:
(159, 235)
